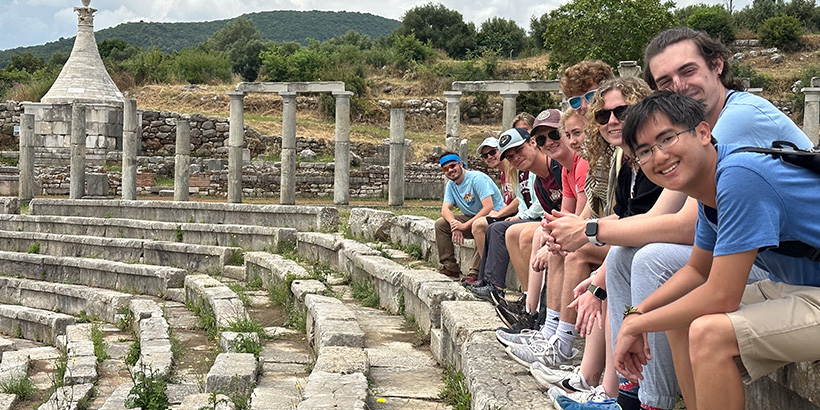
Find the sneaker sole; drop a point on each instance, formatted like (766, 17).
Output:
(547, 383)
(503, 319)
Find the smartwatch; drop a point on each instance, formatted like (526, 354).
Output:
(597, 291)
(591, 232)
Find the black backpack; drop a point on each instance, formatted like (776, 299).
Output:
(809, 159)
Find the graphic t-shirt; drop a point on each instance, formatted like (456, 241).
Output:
(467, 195)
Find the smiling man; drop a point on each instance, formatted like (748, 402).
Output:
(475, 194)
(722, 331)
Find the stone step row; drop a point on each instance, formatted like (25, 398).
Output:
(302, 218)
(33, 324)
(244, 236)
(413, 231)
(206, 292)
(74, 300)
(131, 278)
(196, 258)
(81, 363)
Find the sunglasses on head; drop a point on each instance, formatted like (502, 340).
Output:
(449, 167)
(542, 139)
(575, 102)
(602, 117)
(490, 153)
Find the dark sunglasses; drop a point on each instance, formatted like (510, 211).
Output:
(602, 117)
(542, 139)
(489, 153)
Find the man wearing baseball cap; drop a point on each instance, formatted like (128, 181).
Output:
(475, 194)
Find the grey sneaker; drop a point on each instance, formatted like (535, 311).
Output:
(544, 352)
(525, 337)
(592, 399)
(485, 292)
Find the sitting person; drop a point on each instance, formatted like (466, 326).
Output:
(475, 194)
(723, 332)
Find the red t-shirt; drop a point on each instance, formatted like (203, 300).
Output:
(573, 179)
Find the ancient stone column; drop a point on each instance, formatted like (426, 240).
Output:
(77, 186)
(129, 150)
(236, 137)
(453, 131)
(395, 191)
(182, 160)
(508, 108)
(811, 110)
(287, 193)
(341, 172)
(26, 161)
(629, 68)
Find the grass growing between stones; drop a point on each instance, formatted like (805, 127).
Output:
(148, 391)
(246, 344)
(236, 258)
(247, 325)
(23, 387)
(206, 317)
(59, 370)
(420, 338)
(125, 320)
(99, 345)
(455, 392)
(279, 294)
(133, 355)
(364, 291)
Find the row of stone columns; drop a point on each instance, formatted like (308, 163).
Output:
(287, 188)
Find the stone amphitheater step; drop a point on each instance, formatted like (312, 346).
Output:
(33, 324)
(70, 299)
(197, 258)
(303, 217)
(245, 236)
(133, 278)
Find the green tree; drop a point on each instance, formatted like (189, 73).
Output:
(243, 42)
(752, 16)
(781, 31)
(107, 46)
(537, 28)
(714, 20)
(441, 27)
(501, 36)
(25, 62)
(805, 11)
(610, 30)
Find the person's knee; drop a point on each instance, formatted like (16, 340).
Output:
(711, 337)
(479, 226)
(442, 224)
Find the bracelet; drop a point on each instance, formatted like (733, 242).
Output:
(629, 310)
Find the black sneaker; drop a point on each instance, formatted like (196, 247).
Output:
(486, 292)
(515, 320)
(516, 306)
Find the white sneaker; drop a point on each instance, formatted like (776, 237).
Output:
(547, 353)
(566, 377)
(595, 394)
(525, 337)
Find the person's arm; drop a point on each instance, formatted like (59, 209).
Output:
(447, 212)
(486, 207)
(508, 209)
(535, 211)
(671, 210)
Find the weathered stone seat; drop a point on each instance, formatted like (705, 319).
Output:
(303, 218)
(331, 323)
(245, 236)
(199, 258)
(59, 297)
(271, 267)
(132, 278)
(205, 291)
(33, 324)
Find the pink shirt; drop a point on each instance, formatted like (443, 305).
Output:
(573, 179)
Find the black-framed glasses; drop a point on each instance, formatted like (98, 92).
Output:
(643, 155)
(575, 102)
(490, 153)
(602, 117)
(554, 135)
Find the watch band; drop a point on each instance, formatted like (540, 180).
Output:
(591, 232)
(597, 291)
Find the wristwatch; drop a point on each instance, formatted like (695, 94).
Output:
(597, 291)
(592, 232)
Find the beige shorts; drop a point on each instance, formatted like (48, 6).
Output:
(776, 324)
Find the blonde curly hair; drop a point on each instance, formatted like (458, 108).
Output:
(632, 89)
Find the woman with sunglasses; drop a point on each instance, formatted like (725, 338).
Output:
(628, 192)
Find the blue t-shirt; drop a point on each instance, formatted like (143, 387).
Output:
(467, 195)
(762, 201)
(749, 120)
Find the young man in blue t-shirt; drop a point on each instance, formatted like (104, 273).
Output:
(723, 332)
(475, 194)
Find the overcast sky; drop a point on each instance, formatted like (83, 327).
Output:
(33, 22)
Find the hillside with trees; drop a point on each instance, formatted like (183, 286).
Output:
(280, 26)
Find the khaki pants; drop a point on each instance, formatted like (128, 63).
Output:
(446, 249)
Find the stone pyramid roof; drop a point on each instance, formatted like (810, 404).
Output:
(84, 78)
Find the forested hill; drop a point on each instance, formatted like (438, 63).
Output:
(280, 25)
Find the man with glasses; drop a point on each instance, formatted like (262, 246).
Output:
(724, 332)
(657, 244)
(475, 194)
